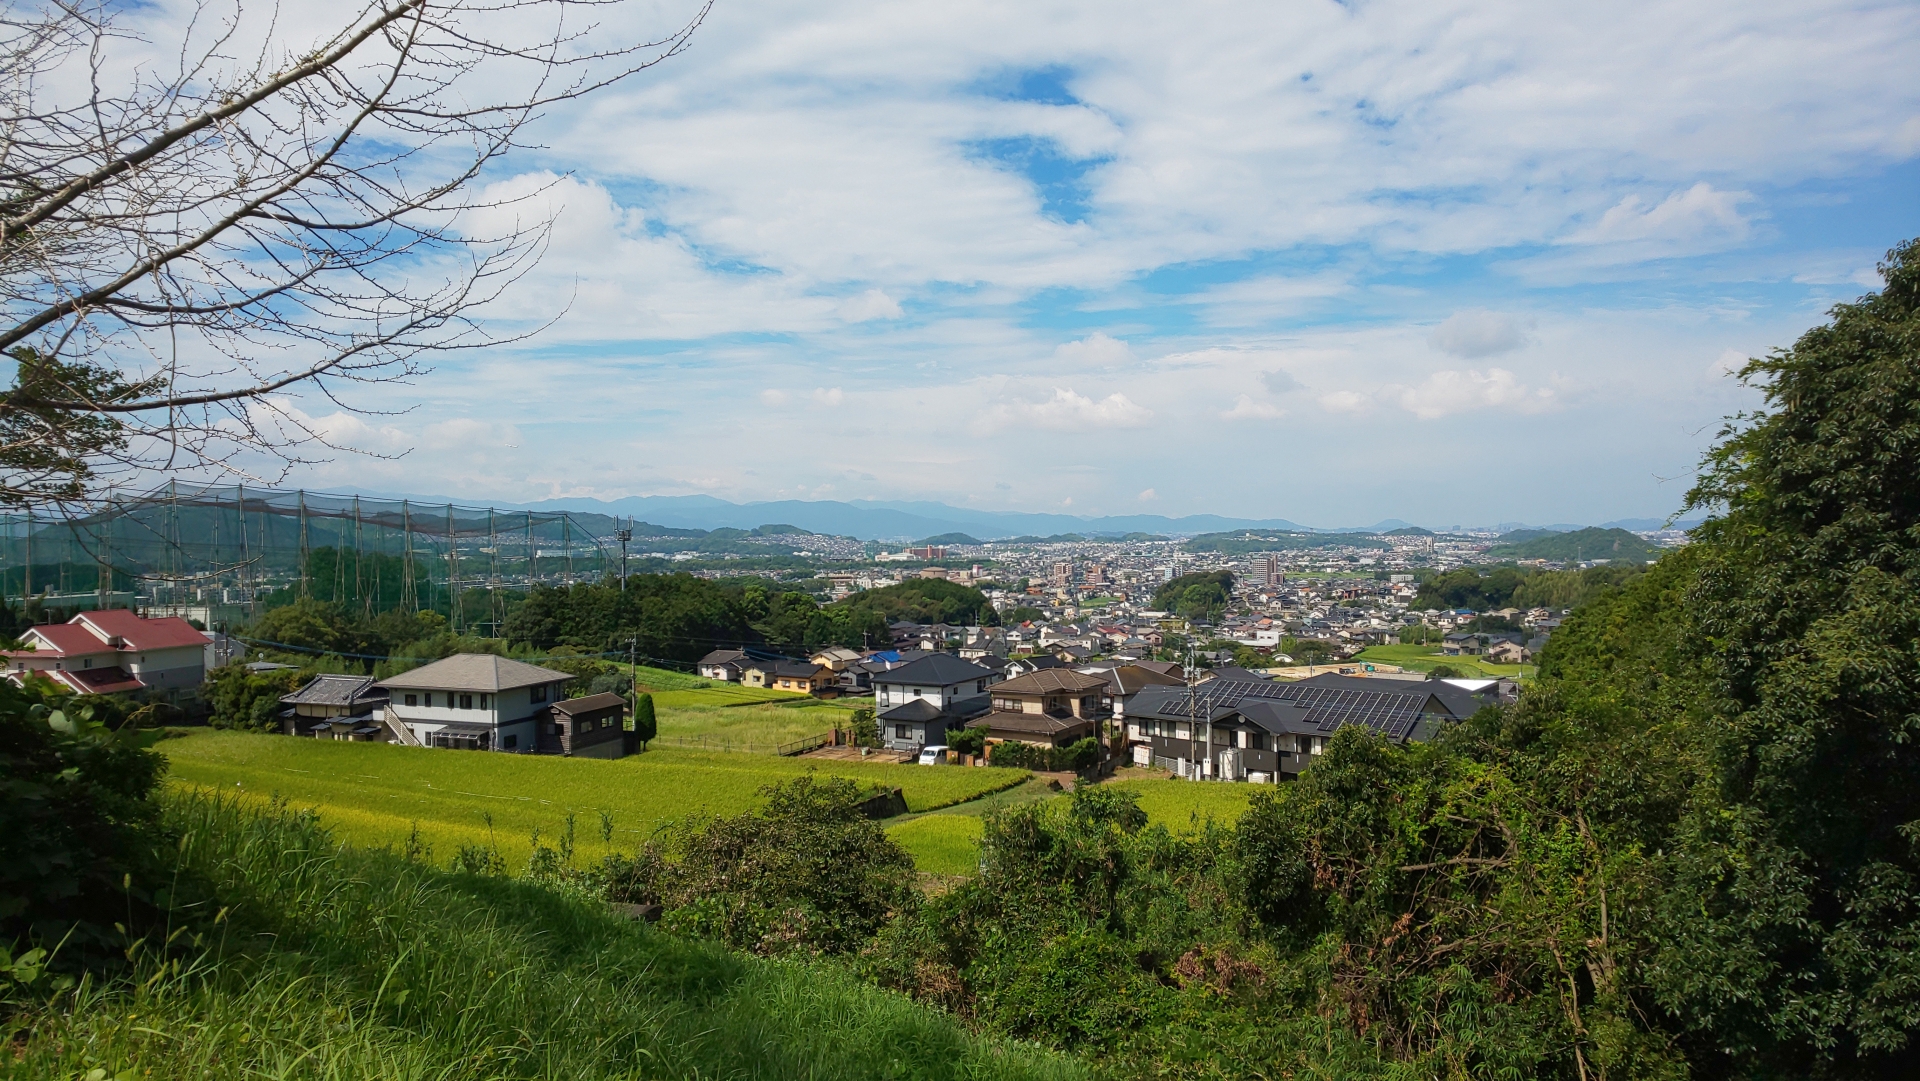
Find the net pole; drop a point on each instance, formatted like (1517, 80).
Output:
(453, 575)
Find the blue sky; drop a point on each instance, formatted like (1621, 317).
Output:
(1446, 262)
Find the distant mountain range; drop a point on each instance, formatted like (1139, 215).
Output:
(900, 520)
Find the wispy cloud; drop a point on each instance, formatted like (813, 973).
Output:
(1068, 411)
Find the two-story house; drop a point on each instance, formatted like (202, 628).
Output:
(1264, 731)
(114, 650)
(1050, 708)
(473, 701)
(919, 702)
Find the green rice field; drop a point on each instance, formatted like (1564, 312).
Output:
(1186, 806)
(380, 794)
(942, 844)
(1425, 658)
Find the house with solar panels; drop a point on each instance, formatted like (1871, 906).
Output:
(1265, 731)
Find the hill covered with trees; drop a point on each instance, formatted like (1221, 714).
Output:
(1580, 544)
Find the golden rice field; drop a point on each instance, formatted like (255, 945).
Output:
(381, 794)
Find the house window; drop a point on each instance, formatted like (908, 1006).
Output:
(483, 702)
(510, 742)
(537, 694)
(917, 692)
(88, 663)
(899, 731)
(427, 699)
(413, 700)
(466, 701)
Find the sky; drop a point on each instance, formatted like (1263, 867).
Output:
(1331, 262)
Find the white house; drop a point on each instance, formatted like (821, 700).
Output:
(919, 702)
(473, 701)
(114, 650)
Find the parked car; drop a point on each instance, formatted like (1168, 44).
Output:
(933, 756)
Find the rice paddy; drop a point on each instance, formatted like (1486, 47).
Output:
(377, 794)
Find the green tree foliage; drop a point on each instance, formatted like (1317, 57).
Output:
(1201, 595)
(924, 600)
(645, 727)
(1247, 542)
(808, 874)
(1590, 543)
(1024, 613)
(674, 617)
(77, 832)
(1794, 927)
(47, 453)
(1077, 757)
(1482, 589)
(795, 623)
(249, 700)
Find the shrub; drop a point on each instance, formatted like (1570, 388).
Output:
(645, 726)
(1079, 756)
(77, 831)
(244, 699)
(809, 874)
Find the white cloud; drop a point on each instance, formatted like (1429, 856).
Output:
(828, 396)
(1345, 401)
(1476, 332)
(1697, 214)
(1068, 411)
(872, 304)
(1148, 495)
(773, 397)
(1447, 392)
(1728, 362)
(1096, 349)
(1245, 408)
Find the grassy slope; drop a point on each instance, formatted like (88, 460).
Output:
(1428, 657)
(375, 793)
(336, 963)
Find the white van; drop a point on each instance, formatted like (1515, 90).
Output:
(933, 756)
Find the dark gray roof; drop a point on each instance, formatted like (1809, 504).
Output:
(336, 691)
(917, 710)
(933, 670)
(1390, 707)
(591, 703)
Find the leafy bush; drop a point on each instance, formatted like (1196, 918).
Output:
(77, 832)
(249, 700)
(1078, 756)
(808, 874)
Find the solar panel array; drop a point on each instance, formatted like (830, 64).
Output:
(1327, 707)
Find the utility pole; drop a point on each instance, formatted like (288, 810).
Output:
(625, 535)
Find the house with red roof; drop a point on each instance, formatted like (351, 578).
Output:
(114, 650)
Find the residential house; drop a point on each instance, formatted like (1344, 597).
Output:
(726, 665)
(1266, 731)
(1020, 666)
(1127, 680)
(919, 702)
(836, 659)
(1051, 708)
(1508, 652)
(336, 707)
(589, 727)
(805, 677)
(1462, 645)
(114, 650)
(473, 701)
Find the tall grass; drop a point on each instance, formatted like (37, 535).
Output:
(333, 962)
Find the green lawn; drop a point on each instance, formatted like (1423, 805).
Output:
(1424, 658)
(377, 793)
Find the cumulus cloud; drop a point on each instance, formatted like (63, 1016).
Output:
(1095, 349)
(1477, 332)
(1068, 411)
(1448, 392)
(1245, 408)
(870, 305)
(1728, 362)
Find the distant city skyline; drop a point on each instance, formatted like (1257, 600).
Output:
(1446, 263)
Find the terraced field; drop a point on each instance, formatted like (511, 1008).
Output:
(380, 794)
